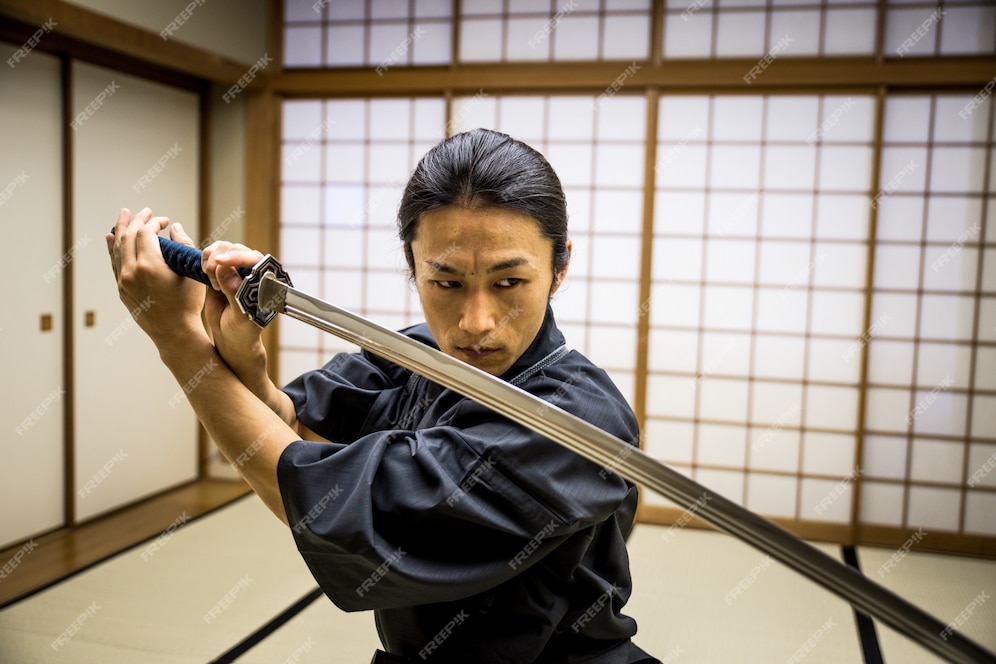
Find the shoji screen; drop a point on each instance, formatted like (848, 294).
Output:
(931, 424)
(553, 30)
(794, 28)
(925, 28)
(387, 33)
(381, 33)
(795, 318)
(760, 253)
(344, 166)
(752, 28)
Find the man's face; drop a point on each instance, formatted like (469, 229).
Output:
(484, 278)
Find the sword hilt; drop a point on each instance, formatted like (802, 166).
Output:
(186, 261)
(247, 296)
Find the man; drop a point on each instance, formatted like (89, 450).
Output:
(472, 538)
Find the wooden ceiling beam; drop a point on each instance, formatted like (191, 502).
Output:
(107, 37)
(727, 75)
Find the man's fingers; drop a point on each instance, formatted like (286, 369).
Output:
(125, 220)
(123, 249)
(229, 254)
(229, 264)
(122, 222)
(135, 246)
(208, 262)
(229, 281)
(222, 261)
(148, 235)
(239, 256)
(178, 234)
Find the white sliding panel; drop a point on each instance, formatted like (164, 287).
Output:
(344, 167)
(135, 145)
(760, 254)
(931, 425)
(31, 322)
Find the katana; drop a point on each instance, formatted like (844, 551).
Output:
(267, 290)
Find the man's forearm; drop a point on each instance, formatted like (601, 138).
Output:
(248, 431)
(250, 369)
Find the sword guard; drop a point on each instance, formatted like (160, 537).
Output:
(247, 297)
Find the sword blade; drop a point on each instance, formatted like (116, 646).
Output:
(627, 461)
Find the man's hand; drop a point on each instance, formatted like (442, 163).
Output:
(164, 304)
(235, 335)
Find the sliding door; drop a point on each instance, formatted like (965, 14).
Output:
(31, 323)
(135, 144)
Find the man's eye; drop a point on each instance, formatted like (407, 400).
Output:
(508, 283)
(444, 283)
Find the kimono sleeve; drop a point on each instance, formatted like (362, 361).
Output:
(335, 401)
(404, 518)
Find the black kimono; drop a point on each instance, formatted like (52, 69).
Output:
(474, 539)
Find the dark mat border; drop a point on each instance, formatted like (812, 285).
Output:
(246, 644)
(866, 626)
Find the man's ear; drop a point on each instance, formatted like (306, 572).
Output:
(558, 278)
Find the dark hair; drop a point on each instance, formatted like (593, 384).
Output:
(483, 169)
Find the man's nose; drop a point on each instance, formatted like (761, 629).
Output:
(478, 314)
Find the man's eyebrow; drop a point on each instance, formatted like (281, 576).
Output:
(509, 264)
(497, 267)
(441, 267)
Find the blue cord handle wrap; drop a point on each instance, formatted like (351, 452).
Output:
(186, 261)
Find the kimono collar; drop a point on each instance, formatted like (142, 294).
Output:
(547, 347)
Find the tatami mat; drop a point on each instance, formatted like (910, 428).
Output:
(321, 634)
(185, 598)
(699, 596)
(707, 597)
(953, 589)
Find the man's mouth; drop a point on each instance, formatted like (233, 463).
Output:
(476, 352)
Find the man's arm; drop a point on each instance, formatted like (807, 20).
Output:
(246, 429)
(249, 366)
(237, 338)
